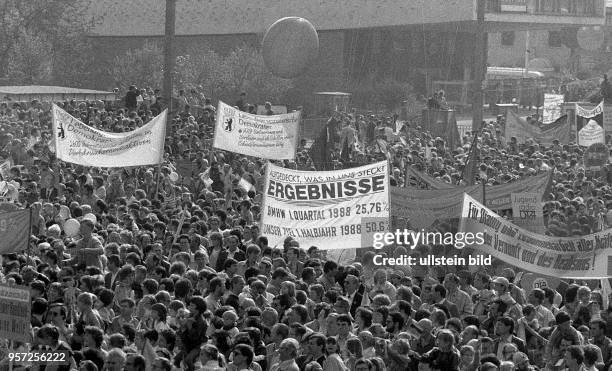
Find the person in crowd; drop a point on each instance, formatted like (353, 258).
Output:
(165, 274)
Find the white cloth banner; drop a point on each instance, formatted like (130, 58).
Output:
(272, 137)
(327, 209)
(80, 144)
(584, 257)
(553, 104)
(588, 113)
(591, 133)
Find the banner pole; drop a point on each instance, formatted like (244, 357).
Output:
(484, 197)
(157, 185)
(29, 246)
(12, 348)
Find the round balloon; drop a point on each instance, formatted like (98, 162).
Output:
(289, 46)
(71, 227)
(173, 176)
(591, 38)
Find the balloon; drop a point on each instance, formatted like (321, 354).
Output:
(289, 46)
(64, 212)
(173, 176)
(71, 227)
(591, 38)
(91, 217)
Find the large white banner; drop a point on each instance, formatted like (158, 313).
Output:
(272, 137)
(80, 144)
(553, 107)
(327, 209)
(566, 257)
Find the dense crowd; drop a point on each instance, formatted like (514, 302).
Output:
(172, 273)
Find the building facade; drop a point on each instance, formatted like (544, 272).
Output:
(418, 41)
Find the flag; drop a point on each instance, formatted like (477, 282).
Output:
(319, 151)
(545, 134)
(471, 163)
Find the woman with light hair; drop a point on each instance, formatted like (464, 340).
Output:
(211, 359)
(367, 341)
(382, 285)
(509, 351)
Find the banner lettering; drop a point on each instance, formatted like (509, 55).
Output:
(553, 107)
(272, 137)
(566, 257)
(325, 209)
(590, 125)
(80, 144)
(15, 313)
(527, 211)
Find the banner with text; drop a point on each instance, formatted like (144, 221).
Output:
(15, 313)
(566, 257)
(544, 134)
(325, 208)
(272, 137)
(527, 211)
(80, 144)
(423, 207)
(590, 126)
(553, 108)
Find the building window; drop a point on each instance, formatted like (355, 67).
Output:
(554, 39)
(507, 38)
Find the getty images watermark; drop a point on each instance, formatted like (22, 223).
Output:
(376, 233)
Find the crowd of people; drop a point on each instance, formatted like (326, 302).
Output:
(175, 274)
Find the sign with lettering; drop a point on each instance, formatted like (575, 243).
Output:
(325, 208)
(15, 309)
(272, 137)
(527, 211)
(584, 257)
(596, 156)
(590, 125)
(553, 108)
(80, 144)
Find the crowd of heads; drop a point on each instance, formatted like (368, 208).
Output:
(171, 272)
